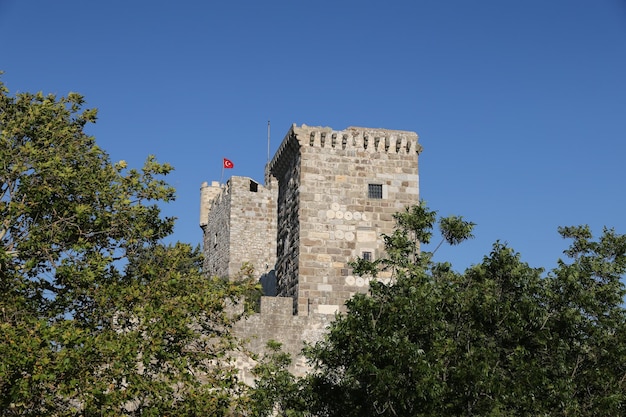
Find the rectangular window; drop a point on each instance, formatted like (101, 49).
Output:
(367, 256)
(375, 190)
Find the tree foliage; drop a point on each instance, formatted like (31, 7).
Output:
(276, 390)
(500, 339)
(97, 315)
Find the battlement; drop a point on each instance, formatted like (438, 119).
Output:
(362, 139)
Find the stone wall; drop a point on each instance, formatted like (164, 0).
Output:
(286, 170)
(216, 203)
(277, 322)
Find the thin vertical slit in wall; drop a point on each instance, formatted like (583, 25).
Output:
(408, 146)
(365, 140)
(344, 141)
(312, 139)
(386, 143)
(398, 144)
(323, 139)
(376, 142)
(333, 141)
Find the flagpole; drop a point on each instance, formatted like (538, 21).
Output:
(268, 141)
(222, 175)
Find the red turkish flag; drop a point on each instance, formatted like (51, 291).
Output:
(228, 163)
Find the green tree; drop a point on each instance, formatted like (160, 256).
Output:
(97, 316)
(276, 390)
(500, 339)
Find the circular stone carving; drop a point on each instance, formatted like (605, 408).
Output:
(356, 215)
(360, 282)
(339, 214)
(364, 217)
(347, 215)
(349, 236)
(338, 234)
(330, 214)
(350, 280)
(334, 206)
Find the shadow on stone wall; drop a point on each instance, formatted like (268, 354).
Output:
(268, 283)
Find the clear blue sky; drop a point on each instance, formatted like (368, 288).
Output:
(520, 105)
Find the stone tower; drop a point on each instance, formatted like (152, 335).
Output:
(238, 220)
(337, 193)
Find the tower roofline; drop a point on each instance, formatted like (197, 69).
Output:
(359, 138)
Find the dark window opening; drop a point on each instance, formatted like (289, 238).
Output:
(367, 256)
(375, 190)
(254, 187)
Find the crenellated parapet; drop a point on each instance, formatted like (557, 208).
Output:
(351, 139)
(366, 139)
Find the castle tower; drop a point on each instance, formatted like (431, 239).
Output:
(238, 220)
(337, 193)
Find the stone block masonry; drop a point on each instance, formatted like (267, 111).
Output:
(328, 198)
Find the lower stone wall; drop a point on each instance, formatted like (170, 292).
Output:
(277, 322)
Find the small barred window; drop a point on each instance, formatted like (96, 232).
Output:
(375, 190)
